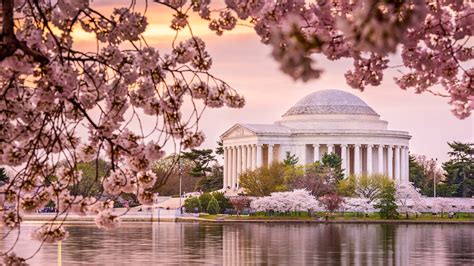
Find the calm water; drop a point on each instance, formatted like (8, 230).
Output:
(268, 244)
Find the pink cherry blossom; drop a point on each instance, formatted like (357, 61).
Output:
(50, 91)
(106, 220)
(50, 233)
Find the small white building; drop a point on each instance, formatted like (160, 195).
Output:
(323, 122)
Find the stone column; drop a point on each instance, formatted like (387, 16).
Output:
(348, 159)
(407, 164)
(229, 166)
(259, 156)
(254, 157)
(344, 157)
(234, 167)
(330, 148)
(397, 163)
(316, 152)
(302, 152)
(357, 161)
(244, 158)
(390, 161)
(369, 159)
(226, 167)
(380, 158)
(402, 163)
(270, 154)
(249, 157)
(282, 153)
(239, 164)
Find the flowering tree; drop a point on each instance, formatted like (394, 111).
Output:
(371, 187)
(50, 89)
(359, 205)
(296, 200)
(331, 202)
(264, 180)
(432, 37)
(442, 205)
(408, 199)
(317, 178)
(239, 203)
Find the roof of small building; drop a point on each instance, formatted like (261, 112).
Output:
(330, 102)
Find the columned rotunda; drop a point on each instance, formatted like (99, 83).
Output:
(323, 122)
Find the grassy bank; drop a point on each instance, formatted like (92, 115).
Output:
(345, 217)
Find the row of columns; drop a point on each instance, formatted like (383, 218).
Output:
(241, 158)
(396, 161)
(238, 159)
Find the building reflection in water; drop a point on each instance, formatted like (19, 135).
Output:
(346, 244)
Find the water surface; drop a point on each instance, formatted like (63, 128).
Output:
(244, 244)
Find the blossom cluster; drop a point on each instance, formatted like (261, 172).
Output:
(296, 200)
(359, 205)
(50, 234)
(50, 91)
(407, 198)
(431, 36)
(12, 259)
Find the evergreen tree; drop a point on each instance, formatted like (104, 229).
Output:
(220, 148)
(202, 160)
(334, 162)
(206, 167)
(213, 206)
(417, 175)
(212, 182)
(460, 169)
(224, 203)
(205, 198)
(423, 172)
(290, 160)
(387, 204)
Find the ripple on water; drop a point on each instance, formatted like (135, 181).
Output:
(236, 244)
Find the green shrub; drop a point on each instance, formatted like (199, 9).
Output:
(204, 199)
(213, 206)
(192, 204)
(387, 205)
(224, 202)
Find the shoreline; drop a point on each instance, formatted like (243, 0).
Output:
(354, 221)
(90, 219)
(125, 219)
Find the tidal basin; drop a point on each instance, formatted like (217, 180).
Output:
(169, 243)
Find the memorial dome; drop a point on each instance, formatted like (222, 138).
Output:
(330, 102)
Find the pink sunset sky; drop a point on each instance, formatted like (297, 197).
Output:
(244, 63)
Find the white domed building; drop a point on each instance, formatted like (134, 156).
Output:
(323, 122)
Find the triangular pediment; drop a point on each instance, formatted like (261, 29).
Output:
(237, 131)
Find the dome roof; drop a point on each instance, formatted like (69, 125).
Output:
(330, 102)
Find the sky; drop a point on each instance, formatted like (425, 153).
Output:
(246, 64)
